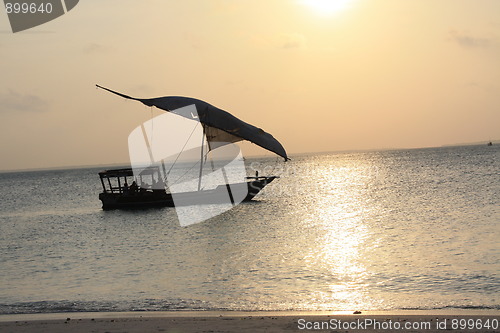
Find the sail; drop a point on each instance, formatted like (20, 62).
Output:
(219, 125)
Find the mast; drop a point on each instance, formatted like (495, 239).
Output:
(201, 159)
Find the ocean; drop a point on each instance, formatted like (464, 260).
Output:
(387, 230)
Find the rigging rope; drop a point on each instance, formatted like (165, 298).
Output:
(275, 165)
(191, 168)
(178, 155)
(152, 128)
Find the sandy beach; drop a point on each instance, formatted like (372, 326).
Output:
(409, 321)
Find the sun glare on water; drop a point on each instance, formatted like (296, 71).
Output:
(325, 7)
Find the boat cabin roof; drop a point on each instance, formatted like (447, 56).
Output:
(127, 172)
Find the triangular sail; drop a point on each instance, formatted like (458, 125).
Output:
(219, 125)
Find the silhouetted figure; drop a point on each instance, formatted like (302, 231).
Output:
(134, 187)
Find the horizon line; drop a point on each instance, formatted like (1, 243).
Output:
(127, 164)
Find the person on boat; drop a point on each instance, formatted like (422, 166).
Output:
(125, 187)
(134, 187)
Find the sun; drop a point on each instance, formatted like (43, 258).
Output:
(325, 7)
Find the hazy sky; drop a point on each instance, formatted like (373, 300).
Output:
(362, 74)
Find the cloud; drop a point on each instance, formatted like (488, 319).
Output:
(290, 41)
(484, 87)
(93, 48)
(14, 101)
(467, 40)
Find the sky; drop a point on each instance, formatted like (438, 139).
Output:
(318, 75)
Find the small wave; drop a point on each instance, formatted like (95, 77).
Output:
(102, 306)
(456, 307)
(176, 305)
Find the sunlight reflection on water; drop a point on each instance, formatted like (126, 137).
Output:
(368, 231)
(338, 215)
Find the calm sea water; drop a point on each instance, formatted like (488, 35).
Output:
(407, 229)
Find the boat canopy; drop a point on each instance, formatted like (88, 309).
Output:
(219, 125)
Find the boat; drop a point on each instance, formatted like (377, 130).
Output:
(490, 143)
(117, 194)
(129, 188)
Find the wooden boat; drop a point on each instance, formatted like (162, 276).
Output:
(129, 189)
(117, 194)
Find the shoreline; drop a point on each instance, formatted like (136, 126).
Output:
(244, 321)
(230, 313)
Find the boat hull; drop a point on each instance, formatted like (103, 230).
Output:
(149, 199)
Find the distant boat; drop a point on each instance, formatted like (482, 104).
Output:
(222, 127)
(490, 143)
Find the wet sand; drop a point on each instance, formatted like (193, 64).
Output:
(141, 322)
